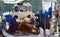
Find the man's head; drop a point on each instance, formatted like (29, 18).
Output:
(15, 16)
(29, 16)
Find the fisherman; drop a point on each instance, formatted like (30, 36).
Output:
(17, 21)
(31, 19)
(28, 18)
(15, 24)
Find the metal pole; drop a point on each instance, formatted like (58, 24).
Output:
(2, 10)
